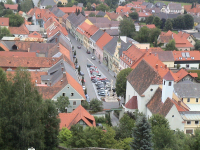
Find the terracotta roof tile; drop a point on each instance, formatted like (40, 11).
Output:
(132, 103)
(150, 26)
(4, 21)
(17, 54)
(120, 9)
(22, 30)
(144, 14)
(69, 119)
(194, 55)
(70, 9)
(35, 35)
(182, 73)
(23, 46)
(112, 15)
(11, 6)
(103, 40)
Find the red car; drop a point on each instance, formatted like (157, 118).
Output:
(103, 79)
(91, 71)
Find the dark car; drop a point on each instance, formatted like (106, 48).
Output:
(79, 47)
(74, 56)
(81, 73)
(88, 52)
(94, 80)
(77, 66)
(100, 86)
(89, 65)
(102, 94)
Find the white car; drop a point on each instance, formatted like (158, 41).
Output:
(83, 87)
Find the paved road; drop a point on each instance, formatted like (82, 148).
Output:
(114, 119)
(83, 59)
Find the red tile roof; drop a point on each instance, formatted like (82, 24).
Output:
(120, 9)
(194, 55)
(144, 14)
(183, 73)
(70, 9)
(22, 30)
(168, 76)
(186, 35)
(132, 103)
(17, 54)
(35, 35)
(11, 6)
(150, 26)
(194, 10)
(69, 119)
(4, 21)
(112, 15)
(103, 40)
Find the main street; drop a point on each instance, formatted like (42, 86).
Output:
(84, 58)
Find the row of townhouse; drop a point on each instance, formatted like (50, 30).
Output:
(172, 59)
(152, 88)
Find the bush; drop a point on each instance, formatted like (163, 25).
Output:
(100, 119)
(178, 66)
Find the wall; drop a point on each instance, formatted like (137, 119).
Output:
(191, 66)
(191, 40)
(169, 64)
(99, 53)
(68, 25)
(143, 45)
(68, 89)
(88, 22)
(175, 122)
(184, 48)
(192, 101)
(191, 126)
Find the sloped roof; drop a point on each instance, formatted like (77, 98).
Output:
(35, 35)
(56, 11)
(112, 15)
(17, 54)
(70, 9)
(165, 56)
(4, 21)
(97, 35)
(132, 103)
(168, 76)
(47, 2)
(138, 77)
(69, 119)
(22, 30)
(77, 20)
(11, 6)
(181, 41)
(186, 55)
(156, 106)
(174, 6)
(101, 13)
(103, 40)
(33, 28)
(113, 32)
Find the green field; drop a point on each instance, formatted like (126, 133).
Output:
(167, 2)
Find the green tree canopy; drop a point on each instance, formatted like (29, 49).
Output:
(85, 104)
(189, 21)
(96, 105)
(142, 135)
(26, 5)
(92, 15)
(4, 32)
(197, 45)
(61, 103)
(59, 4)
(168, 25)
(143, 35)
(127, 27)
(163, 20)
(157, 22)
(171, 46)
(48, 6)
(121, 82)
(26, 121)
(134, 15)
(15, 20)
(89, 7)
(65, 136)
(102, 7)
(153, 34)
(9, 2)
(149, 20)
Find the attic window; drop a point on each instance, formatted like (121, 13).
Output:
(172, 115)
(63, 94)
(74, 103)
(192, 57)
(151, 89)
(72, 94)
(188, 122)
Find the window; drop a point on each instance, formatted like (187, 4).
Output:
(72, 94)
(189, 131)
(74, 103)
(196, 122)
(170, 83)
(197, 100)
(188, 100)
(188, 122)
(164, 82)
(151, 89)
(187, 66)
(172, 115)
(63, 94)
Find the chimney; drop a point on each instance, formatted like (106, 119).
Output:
(62, 69)
(149, 53)
(64, 74)
(156, 66)
(165, 66)
(61, 81)
(179, 102)
(56, 40)
(28, 49)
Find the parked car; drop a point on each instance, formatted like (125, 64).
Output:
(79, 47)
(102, 94)
(89, 65)
(105, 81)
(101, 90)
(98, 83)
(91, 71)
(77, 66)
(74, 56)
(100, 86)
(88, 52)
(96, 74)
(83, 87)
(81, 73)
(94, 80)
(93, 57)
(93, 68)
(102, 79)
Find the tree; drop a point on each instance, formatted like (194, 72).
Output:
(51, 123)
(89, 7)
(149, 20)
(85, 104)
(83, 12)
(4, 32)
(96, 105)
(197, 45)
(179, 23)
(15, 20)
(134, 15)
(171, 46)
(127, 27)
(196, 139)
(48, 6)
(9, 2)
(92, 15)
(65, 136)
(125, 127)
(153, 34)
(69, 4)
(192, 5)
(26, 5)
(143, 35)
(76, 61)
(59, 4)
(82, 81)
(163, 20)
(151, 1)
(85, 91)
(61, 103)
(168, 25)
(22, 126)
(185, 12)
(189, 21)
(157, 22)
(102, 7)
(75, 53)
(142, 136)
(79, 69)
(121, 82)
(155, 44)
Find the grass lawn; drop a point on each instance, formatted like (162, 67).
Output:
(167, 2)
(62, 144)
(142, 23)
